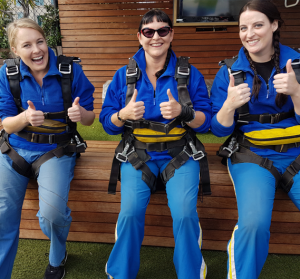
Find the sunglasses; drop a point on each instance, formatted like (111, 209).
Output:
(162, 32)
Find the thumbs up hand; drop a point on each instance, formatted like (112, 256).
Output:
(287, 83)
(237, 95)
(33, 116)
(134, 110)
(170, 109)
(74, 112)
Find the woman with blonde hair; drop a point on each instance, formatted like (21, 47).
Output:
(39, 114)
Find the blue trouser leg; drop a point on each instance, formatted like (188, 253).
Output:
(182, 193)
(249, 245)
(124, 260)
(182, 190)
(12, 192)
(54, 181)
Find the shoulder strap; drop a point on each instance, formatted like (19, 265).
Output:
(182, 76)
(14, 77)
(239, 78)
(132, 76)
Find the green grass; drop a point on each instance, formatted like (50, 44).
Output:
(87, 260)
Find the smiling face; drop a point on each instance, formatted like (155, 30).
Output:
(31, 47)
(256, 34)
(156, 47)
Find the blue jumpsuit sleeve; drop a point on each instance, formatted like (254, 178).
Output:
(297, 118)
(82, 88)
(8, 106)
(218, 97)
(199, 97)
(113, 103)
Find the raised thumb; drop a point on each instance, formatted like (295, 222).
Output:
(289, 68)
(31, 105)
(76, 101)
(133, 98)
(231, 81)
(170, 95)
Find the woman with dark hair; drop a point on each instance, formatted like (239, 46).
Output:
(155, 103)
(259, 104)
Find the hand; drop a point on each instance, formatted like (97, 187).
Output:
(33, 116)
(171, 109)
(287, 83)
(237, 95)
(74, 112)
(134, 110)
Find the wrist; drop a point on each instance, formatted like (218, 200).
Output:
(120, 118)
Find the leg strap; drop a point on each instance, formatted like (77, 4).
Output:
(244, 155)
(287, 180)
(20, 165)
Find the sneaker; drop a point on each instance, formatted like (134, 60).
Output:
(54, 272)
(63, 262)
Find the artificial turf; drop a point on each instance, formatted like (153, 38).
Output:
(87, 260)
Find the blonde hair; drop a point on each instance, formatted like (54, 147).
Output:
(13, 28)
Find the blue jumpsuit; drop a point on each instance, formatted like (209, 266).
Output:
(55, 175)
(248, 247)
(182, 189)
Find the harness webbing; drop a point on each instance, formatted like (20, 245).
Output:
(134, 151)
(68, 143)
(237, 147)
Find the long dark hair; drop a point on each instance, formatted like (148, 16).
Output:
(160, 17)
(270, 10)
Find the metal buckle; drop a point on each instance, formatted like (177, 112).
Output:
(231, 149)
(14, 72)
(132, 74)
(64, 72)
(79, 143)
(182, 73)
(1, 132)
(196, 153)
(186, 152)
(122, 156)
(296, 62)
(128, 122)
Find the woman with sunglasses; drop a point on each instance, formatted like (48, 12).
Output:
(156, 99)
(270, 93)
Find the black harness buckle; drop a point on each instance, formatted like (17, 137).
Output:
(51, 139)
(64, 68)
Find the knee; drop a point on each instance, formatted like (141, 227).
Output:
(254, 224)
(183, 209)
(54, 216)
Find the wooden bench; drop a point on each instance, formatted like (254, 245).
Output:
(95, 212)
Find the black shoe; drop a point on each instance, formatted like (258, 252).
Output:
(54, 272)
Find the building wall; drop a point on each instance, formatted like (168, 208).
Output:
(103, 34)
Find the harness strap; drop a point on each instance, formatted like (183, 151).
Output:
(278, 148)
(41, 138)
(182, 76)
(14, 77)
(19, 164)
(155, 126)
(159, 146)
(132, 76)
(244, 155)
(287, 177)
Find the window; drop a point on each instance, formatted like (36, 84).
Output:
(39, 20)
(39, 2)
